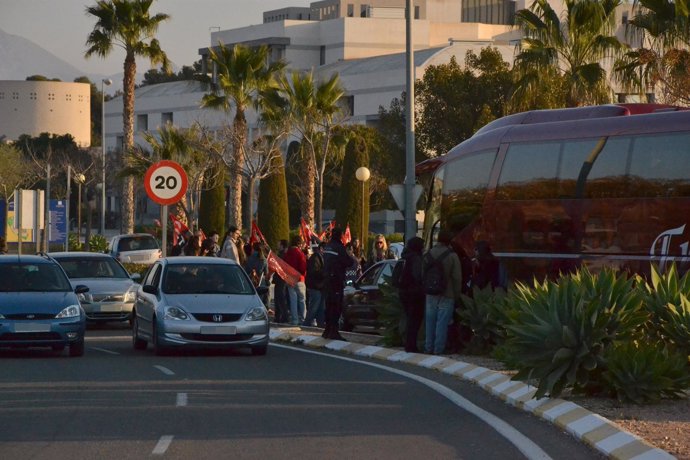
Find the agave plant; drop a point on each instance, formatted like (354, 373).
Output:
(561, 330)
(666, 298)
(98, 243)
(392, 315)
(483, 313)
(644, 372)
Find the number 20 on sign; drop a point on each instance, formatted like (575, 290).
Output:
(165, 182)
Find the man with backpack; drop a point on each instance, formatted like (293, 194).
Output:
(408, 278)
(336, 261)
(316, 283)
(443, 286)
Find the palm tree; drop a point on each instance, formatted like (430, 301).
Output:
(567, 51)
(315, 110)
(243, 72)
(127, 24)
(662, 61)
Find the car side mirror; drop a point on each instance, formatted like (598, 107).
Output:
(135, 276)
(150, 289)
(262, 290)
(81, 289)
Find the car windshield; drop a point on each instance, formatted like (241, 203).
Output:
(92, 267)
(137, 243)
(28, 277)
(206, 279)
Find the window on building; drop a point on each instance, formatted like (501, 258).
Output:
(2, 95)
(416, 11)
(167, 118)
(350, 10)
(322, 55)
(142, 122)
(68, 97)
(624, 20)
(363, 11)
(15, 95)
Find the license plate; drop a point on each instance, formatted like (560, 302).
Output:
(104, 308)
(31, 327)
(219, 330)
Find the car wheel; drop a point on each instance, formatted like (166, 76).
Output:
(158, 349)
(259, 351)
(77, 348)
(137, 343)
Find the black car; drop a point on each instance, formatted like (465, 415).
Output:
(360, 298)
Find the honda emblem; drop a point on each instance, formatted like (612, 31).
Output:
(217, 318)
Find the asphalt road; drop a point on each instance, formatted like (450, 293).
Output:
(118, 403)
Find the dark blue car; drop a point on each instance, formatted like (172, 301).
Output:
(38, 307)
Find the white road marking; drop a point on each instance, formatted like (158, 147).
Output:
(525, 445)
(181, 399)
(162, 445)
(105, 351)
(164, 370)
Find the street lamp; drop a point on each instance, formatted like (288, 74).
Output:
(362, 174)
(79, 179)
(104, 82)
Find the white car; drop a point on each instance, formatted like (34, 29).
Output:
(135, 248)
(199, 302)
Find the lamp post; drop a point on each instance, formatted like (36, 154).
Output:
(80, 179)
(362, 174)
(104, 82)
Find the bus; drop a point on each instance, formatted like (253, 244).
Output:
(555, 190)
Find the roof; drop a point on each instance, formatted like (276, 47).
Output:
(172, 88)
(378, 63)
(191, 260)
(85, 254)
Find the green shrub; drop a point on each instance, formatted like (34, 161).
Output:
(666, 299)
(391, 315)
(641, 372)
(560, 331)
(483, 313)
(98, 243)
(136, 268)
(395, 238)
(74, 243)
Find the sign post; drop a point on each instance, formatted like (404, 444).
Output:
(165, 183)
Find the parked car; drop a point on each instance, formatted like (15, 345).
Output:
(199, 302)
(38, 305)
(360, 298)
(136, 248)
(111, 289)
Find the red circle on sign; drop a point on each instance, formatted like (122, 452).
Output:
(165, 182)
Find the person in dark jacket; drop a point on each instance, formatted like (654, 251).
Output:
(316, 281)
(411, 291)
(486, 268)
(336, 261)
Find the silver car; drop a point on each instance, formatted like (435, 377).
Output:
(199, 302)
(111, 289)
(135, 248)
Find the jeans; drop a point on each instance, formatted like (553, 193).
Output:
(316, 308)
(297, 306)
(439, 312)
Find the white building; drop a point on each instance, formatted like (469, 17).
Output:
(35, 107)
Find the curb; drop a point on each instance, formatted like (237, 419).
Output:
(594, 430)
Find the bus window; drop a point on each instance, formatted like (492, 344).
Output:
(607, 178)
(432, 216)
(660, 166)
(529, 172)
(464, 189)
(574, 156)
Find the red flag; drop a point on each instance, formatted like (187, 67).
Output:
(256, 236)
(178, 228)
(305, 231)
(282, 269)
(346, 238)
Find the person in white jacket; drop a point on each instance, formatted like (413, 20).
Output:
(229, 249)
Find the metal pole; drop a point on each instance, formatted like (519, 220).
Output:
(69, 183)
(410, 211)
(164, 230)
(46, 215)
(78, 210)
(108, 82)
(361, 238)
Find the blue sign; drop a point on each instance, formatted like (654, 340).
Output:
(58, 223)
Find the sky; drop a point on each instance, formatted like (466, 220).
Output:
(62, 26)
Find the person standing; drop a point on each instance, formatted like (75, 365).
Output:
(411, 291)
(336, 261)
(440, 307)
(380, 250)
(193, 246)
(210, 247)
(280, 296)
(316, 281)
(297, 260)
(229, 248)
(354, 270)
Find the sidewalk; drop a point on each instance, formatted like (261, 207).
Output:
(594, 430)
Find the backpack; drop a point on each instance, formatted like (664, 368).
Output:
(434, 276)
(397, 275)
(316, 275)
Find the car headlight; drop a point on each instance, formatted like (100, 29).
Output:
(175, 313)
(85, 297)
(256, 314)
(70, 312)
(131, 295)
(2, 317)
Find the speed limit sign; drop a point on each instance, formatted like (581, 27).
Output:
(165, 182)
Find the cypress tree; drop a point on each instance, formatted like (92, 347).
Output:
(349, 210)
(212, 205)
(272, 210)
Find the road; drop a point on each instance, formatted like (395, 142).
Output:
(117, 403)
